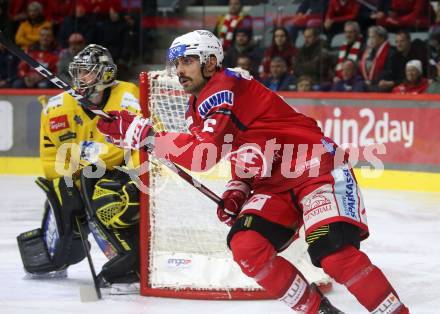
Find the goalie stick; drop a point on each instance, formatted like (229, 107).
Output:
(87, 294)
(17, 51)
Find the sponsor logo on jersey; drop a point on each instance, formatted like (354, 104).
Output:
(78, 119)
(90, 150)
(58, 123)
(316, 205)
(350, 199)
(67, 136)
(295, 292)
(176, 263)
(319, 205)
(216, 100)
(390, 305)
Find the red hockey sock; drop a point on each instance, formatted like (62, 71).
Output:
(365, 281)
(257, 259)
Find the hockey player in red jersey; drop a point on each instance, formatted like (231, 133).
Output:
(284, 173)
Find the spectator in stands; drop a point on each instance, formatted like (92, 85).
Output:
(313, 59)
(279, 78)
(228, 23)
(18, 10)
(76, 44)
(45, 52)
(245, 63)
(310, 13)
(305, 84)
(339, 12)
(131, 41)
(405, 51)
(411, 14)
(351, 81)
(352, 48)
(29, 30)
(281, 46)
(375, 64)
(58, 10)
(80, 22)
(414, 83)
(112, 33)
(243, 45)
(433, 49)
(5, 22)
(8, 67)
(101, 8)
(434, 86)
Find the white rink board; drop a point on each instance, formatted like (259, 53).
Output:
(404, 242)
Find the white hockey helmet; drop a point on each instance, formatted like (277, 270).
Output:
(201, 43)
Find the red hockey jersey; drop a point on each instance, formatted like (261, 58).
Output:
(269, 144)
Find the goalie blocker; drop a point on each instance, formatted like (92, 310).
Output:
(112, 216)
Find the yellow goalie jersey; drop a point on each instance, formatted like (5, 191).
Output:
(70, 140)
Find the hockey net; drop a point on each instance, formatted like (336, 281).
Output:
(183, 245)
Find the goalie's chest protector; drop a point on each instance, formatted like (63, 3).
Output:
(64, 121)
(233, 104)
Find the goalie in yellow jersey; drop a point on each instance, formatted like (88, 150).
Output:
(81, 182)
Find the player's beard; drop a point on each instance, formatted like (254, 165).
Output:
(195, 86)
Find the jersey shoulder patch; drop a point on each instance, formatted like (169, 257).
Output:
(238, 73)
(54, 102)
(214, 100)
(129, 101)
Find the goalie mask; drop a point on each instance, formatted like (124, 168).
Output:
(92, 70)
(200, 43)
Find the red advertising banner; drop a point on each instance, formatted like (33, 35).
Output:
(409, 129)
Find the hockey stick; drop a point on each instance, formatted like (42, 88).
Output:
(368, 5)
(86, 294)
(92, 107)
(191, 180)
(13, 48)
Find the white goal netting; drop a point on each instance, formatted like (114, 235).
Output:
(187, 243)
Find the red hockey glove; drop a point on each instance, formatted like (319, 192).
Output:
(126, 130)
(233, 198)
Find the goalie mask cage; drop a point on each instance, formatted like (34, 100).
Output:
(183, 251)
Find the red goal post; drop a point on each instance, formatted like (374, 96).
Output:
(183, 252)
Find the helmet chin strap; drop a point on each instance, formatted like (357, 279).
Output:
(202, 68)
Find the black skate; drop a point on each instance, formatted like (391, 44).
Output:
(325, 307)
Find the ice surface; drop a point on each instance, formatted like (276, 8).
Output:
(404, 243)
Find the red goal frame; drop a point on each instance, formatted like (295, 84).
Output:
(145, 233)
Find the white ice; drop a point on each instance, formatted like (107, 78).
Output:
(404, 243)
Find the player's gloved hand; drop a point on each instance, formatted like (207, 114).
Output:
(126, 129)
(233, 198)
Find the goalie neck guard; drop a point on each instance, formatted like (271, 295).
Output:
(201, 43)
(92, 70)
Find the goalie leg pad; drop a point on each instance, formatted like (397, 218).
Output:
(113, 207)
(57, 243)
(278, 235)
(330, 238)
